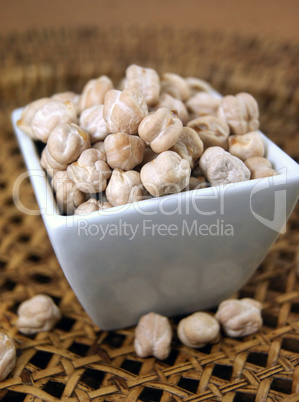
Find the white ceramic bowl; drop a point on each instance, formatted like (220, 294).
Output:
(172, 255)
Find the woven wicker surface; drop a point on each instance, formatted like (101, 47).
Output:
(77, 361)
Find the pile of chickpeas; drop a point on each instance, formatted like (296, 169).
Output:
(154, 135)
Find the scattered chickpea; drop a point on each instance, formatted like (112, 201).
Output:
(7, 355)
(240, 317)
(198, 329)
(37, 314)
(153, 336)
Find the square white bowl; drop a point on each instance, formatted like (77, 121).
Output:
(171, 255)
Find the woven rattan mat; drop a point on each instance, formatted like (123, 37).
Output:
(77, 361)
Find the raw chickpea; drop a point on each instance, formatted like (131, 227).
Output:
(189, 146)
(202, 104)
(212, 131)
(124, 151)
(124, 110)
(94, 92)
(92, 122)
(161, 129)
(124, 187)
(37, 314)
(246, 145)
(240, 317)
(220, 167)
(175, 85)
(153, 336)
(49, 116)
(89, 172)
(240, 112)
(198, 329)
(166, 174)
(68, 196)
(172, 103)
(65, 144)
(91, 205)
(145, 80)
(27, 115)
(7, 355)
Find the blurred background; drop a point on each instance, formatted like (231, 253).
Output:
(268, 17)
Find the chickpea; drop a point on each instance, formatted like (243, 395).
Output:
(145, 80)
(153, 336)
(124, 151)
(166, 174)
(37, 314)
(161, 129)
(124, 110)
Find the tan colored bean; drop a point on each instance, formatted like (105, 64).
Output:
(246, 145)
(161, 129)
(124, 110)
(89, 172)
(37, 314)
(240, 317)
(212, 130)
(145, 80)
(24, 123)
(68, 196)
(198, 329)
(91, 205)
(153, 336)
(49, 116)
(240, 112)
(7, 355)
(175, 85)
(124, 187)
(124, 151)
(189, 146)
(166, 174)
(92, 122)
(172, 103)
(66, 142)
(94, 92)
(202, 104)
